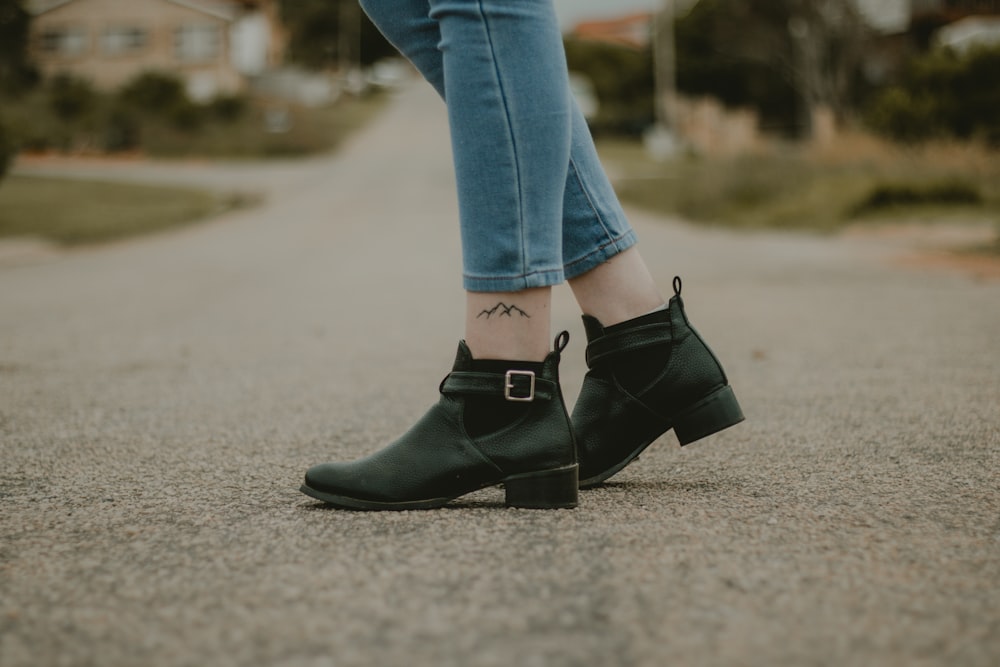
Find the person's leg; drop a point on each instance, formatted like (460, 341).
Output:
(510, 125)
(501, 416)
(631, 394)
(595, 230)
(618, 289)
(509, 325)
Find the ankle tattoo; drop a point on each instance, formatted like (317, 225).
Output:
(502, 310)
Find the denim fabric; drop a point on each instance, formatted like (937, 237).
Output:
(535, 205)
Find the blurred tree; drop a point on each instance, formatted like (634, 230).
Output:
(317, 41)
(6, 151)
(14, 22)
(829, 39)
(943, 94)
(154, 92)
(623, 82)
(160, 95)
(71, 97)
(15, 69)
(776, 56)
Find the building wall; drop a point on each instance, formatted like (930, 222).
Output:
(92, 22)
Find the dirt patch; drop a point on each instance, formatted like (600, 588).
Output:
(27, 250)
(954, 245)
(981, 266)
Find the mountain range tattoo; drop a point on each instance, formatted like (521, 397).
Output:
(502, 310)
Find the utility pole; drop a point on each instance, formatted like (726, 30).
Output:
(664, 64)
(349, 45)
(661, 139)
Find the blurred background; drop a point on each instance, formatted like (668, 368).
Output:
(807, 114)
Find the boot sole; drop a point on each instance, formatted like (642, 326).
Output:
(544, 489)
(716, 412)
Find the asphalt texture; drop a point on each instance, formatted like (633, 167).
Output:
(161, 398)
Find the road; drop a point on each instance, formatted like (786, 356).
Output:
(160, 399)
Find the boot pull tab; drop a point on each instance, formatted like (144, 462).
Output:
(561, 341)
(677, 285)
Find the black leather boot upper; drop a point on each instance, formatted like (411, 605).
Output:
(647, 375)
(437, 460)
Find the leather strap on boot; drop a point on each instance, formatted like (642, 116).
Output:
(633, 339)
(629, 340)
(514, 385)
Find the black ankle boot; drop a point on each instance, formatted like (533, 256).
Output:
(459, 446)
(647, 375)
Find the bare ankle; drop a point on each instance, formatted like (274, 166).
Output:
(509, 325)
(618, 290)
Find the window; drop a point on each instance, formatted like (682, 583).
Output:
(65, 41)
(120, 40)
(197, 42)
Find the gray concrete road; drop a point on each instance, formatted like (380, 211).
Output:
(160, 399)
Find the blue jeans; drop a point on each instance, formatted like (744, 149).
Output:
(535, 205)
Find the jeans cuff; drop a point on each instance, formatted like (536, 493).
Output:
(513, 283)
(595, 258)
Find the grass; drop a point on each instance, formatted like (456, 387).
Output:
(74, 212)
(71, 212)
(310, 131)
(857, 180)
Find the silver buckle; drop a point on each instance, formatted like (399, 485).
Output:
(509, 384)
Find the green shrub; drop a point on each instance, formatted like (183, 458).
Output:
(160, 95)
(60, 116)
(943, 94)
(229, 108)
(889, 195)
(71, 98)
(186, 116)
(154, 93)
(122, 130)
(899, 115)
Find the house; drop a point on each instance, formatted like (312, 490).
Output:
(959, 24)
(902, 28)
(970, 32)
(215, 46)
(953, 10)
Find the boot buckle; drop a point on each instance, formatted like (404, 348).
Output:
(509, 386)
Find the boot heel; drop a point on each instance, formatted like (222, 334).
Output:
(548, 489)
(720, 410)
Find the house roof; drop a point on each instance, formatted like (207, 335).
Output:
(632, 30)
(223, 9)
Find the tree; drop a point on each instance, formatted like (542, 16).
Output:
(828, 42)
(15, 69)
(777, 55)
(323, 33)
(622, 78)
(6, 151)
(943, 93)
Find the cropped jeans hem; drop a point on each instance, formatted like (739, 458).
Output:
(535, 205)
(574, 269)
(600, 255)
(513, 283)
